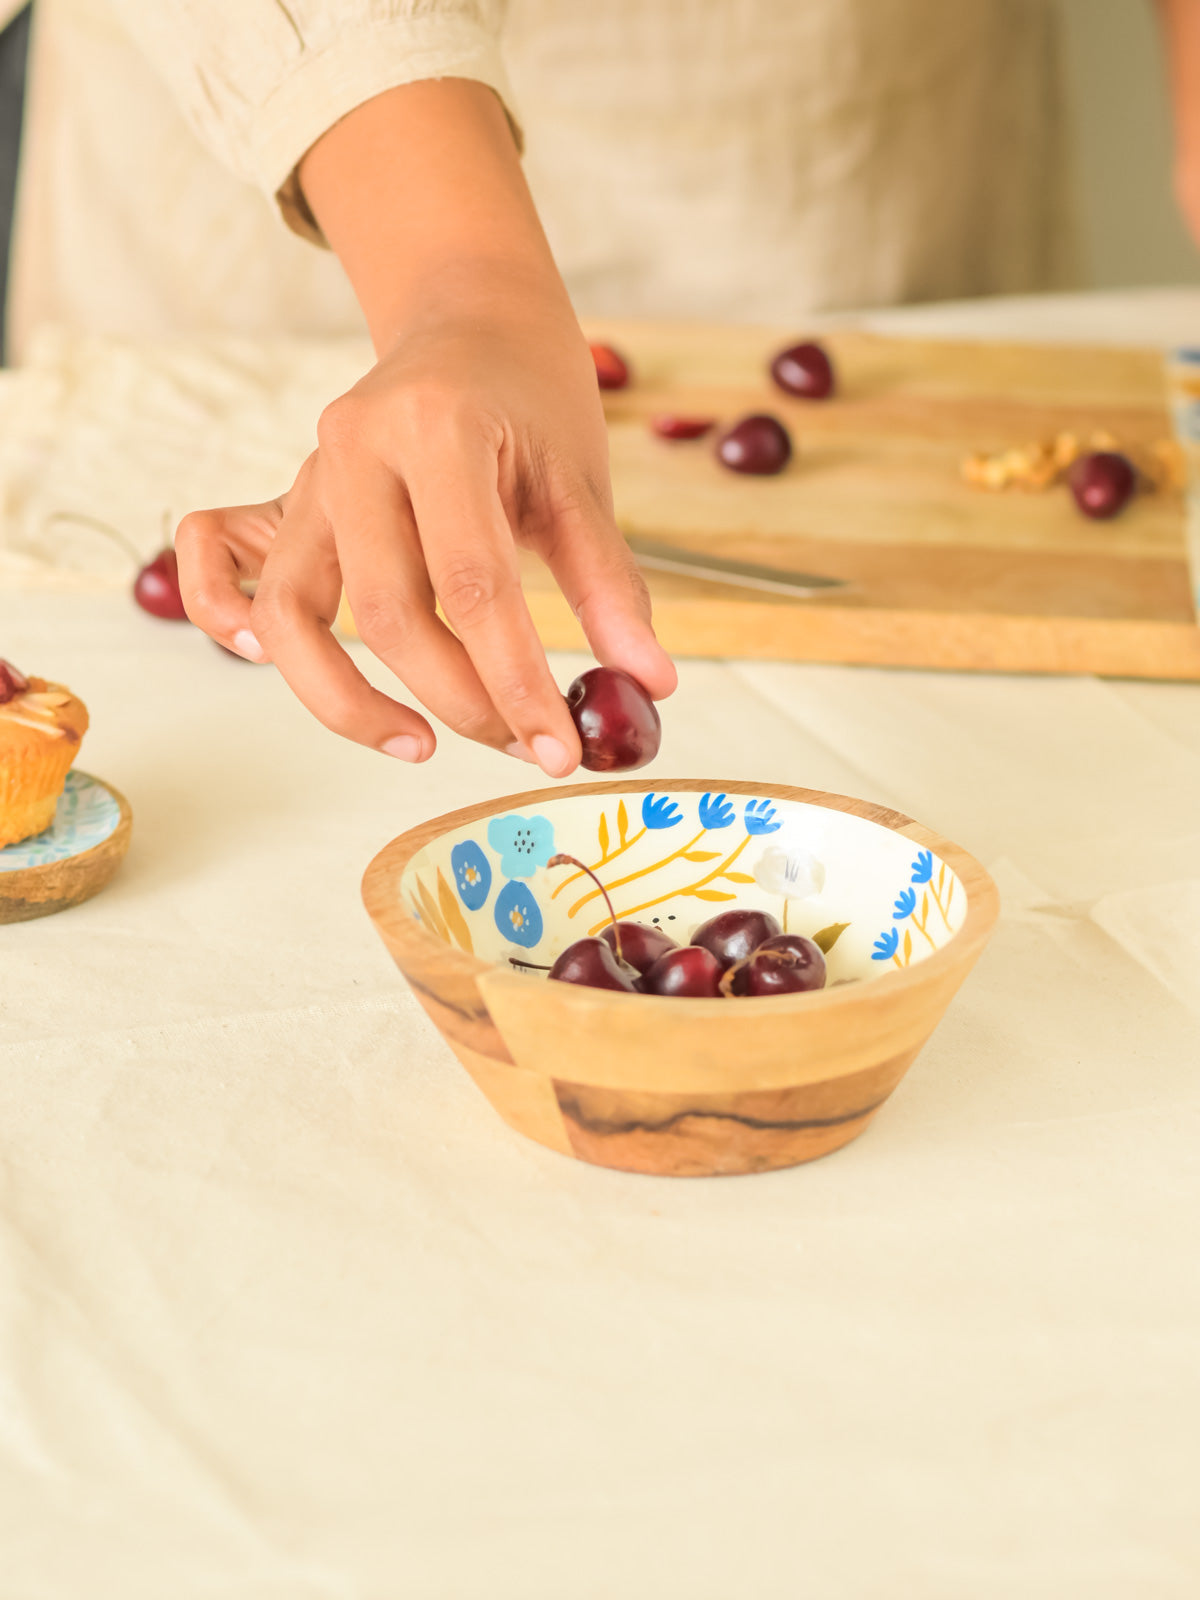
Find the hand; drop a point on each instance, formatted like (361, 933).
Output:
(474, 433)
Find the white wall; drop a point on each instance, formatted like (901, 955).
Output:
(1120, 114)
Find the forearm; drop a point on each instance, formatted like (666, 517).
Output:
(1181, 36)
(420, 193)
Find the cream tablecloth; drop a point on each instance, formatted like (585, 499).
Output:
(287, 1314)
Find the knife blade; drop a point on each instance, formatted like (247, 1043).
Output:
(661, 557)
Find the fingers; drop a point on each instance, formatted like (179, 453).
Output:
(472, 562)
(296, 601)
(392, 599)
(597, 574)
(217, 551)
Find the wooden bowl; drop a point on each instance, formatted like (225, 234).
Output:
(671, 1086)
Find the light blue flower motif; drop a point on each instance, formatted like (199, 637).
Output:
(472, 874)
(716, 811)
(517, 915)
(922, 867)
(905, 904)
(523, 843)
(660, 811)
(760, 817)
(885, 946)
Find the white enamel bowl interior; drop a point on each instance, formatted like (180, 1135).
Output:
(675, 858)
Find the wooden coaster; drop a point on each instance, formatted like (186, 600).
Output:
(73, 859)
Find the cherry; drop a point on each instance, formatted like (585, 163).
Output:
(691, 973)
(784, 964)
(12, 682)
(804, 370)
(156, 587)
(758, 443)
(612, 370)
(591, 962)
(618, 726)
(681, 427)
(735, 935)
(1102, 483)
(641, 944)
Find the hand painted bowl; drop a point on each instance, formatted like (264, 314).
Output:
(673, 1086)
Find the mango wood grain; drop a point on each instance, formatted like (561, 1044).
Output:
(57, 885)
(679, 1086)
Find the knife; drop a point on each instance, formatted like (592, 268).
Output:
(716, 569)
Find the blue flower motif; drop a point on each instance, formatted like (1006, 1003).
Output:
(922, 867)
(905, 904)
(885, 946)
(472, 874)
(715, 811)
(523, 843)
(760, 817)
(517, 915)
(660, 812)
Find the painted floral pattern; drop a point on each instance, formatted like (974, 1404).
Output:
(472, 874)
(523, 843)
(518, 915)
(897, 944)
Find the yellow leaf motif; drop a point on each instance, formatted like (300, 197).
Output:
(431, 915)
(700, 855)
(828, 937)
(907, 946)
(455, 920)
(710, 894)
(603, 834)
(622, 821)
(739, 877)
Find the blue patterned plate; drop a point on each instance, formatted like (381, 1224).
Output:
(88, 813)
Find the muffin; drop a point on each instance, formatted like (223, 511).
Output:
(41, 725)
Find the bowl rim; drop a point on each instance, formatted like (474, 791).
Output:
(388, 911)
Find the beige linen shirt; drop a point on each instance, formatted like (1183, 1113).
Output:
(746, 159)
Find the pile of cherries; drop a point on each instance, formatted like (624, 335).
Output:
(12, 682)
(759, 443)
(736, 954)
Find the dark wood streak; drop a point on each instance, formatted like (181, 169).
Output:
(608, 1129)
(476, 1019)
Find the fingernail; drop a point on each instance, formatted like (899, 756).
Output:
(403, 746)
(521, 751)
(247, 645)
(551, 754)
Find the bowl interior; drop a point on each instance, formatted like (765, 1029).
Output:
(873, 899)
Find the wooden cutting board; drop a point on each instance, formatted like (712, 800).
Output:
(941, 574)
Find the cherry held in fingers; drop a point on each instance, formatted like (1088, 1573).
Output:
(1102, 483)
(759, 444)
(804, 370)
(612, 370)
(156, 587)
(734, 935)
(617, 723)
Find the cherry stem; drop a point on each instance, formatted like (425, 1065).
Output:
(571, 861)
(533, 966)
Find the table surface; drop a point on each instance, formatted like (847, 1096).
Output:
(286, 1313)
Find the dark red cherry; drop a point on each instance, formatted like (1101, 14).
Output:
(1102, 483)
(12, 682)
(785, 964)
(618, 726)
(691, 973)
(758, 443)
(804, 370)
(682, 427)
(612, 370)
(591, 962)
(733, 935)
(641, 944)
(156, 587)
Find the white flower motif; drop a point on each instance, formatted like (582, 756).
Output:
(796, 874)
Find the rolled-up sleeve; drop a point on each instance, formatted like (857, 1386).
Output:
(261, 80)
